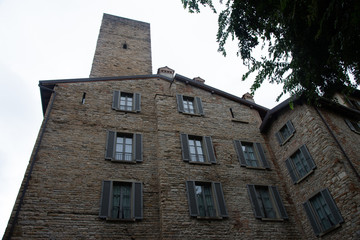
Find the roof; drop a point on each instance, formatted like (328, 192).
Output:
(47, 86)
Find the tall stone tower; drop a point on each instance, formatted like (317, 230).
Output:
(123, 48)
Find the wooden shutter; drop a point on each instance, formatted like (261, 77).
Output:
(220, 200)
(333, 208)
(138, 148)
(199, 107)
(180, 103)
(312, 219)
(105, 199)
(290, 126)
(350, 124)
(291, 170)
(278, 137)
(210, 149)
(240, 153)
(279, 204)
(137, 102)
(116, 100)
(137, 200)
(308, 157)
(110, 145)
(260, 150)
(185, 147)
(190, 189)
(254, 201)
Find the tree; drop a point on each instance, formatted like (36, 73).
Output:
(313, 45)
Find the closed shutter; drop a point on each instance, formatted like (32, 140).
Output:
(190, 189)
(254, 201)
(260, 150)
(278, 137)
(220, 200)
(240, 153)
(290, 126)
(310, 214)
(137, 102)
(105, 199)
(278, 201)
(180, 103)
(199, 106)
(137, 200)
(116, 100)
(110, 145)
(333, 208)
(185, 147)
(350, 125)
(210, 149)
(308, 157)
(291, 170)
(138, 148)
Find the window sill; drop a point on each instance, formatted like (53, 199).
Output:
(272, 219)
(192, 114)
(258, 168)
(120, 220)
(122, 161)
(126, 111)
(329, 230)
(298, 181)
(286, 140)
(357, 132)
(239, 121)
(209, 218)
(200, 163)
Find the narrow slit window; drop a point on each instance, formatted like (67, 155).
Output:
(232, 113)
(83, 98)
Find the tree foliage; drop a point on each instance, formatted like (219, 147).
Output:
(313, 45)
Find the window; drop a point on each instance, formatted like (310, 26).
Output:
(121, 200)
(300, 164)
(353, 125)
(353, 103)
(266, 202)
(129, 102)
(126, 147)
(284, 134)
(251, 154)
(197, 149)
(206, 199)
(323, 213)
(190, 105)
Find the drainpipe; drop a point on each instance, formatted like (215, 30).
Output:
(338, 143)
(12, 225)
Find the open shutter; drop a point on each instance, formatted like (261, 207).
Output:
(291, 170)
(278, 201)
(210, 149)
(105, 199)
(116, 100)
(350, 124)
(110, 145)
(310, 214)
(254, 202)
(290, 126)
(185, 147)
(333, 208)
(220, 199)
(307, 156)
(199, 106)
(137, 200)
(240, 153)
(137, 102)
(138, 148)
(190, 189)
(278, 137)
(260, 150)
(180, 102)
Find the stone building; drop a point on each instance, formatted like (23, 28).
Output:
(127, 154)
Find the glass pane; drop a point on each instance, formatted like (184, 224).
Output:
(266, 202)
(200, 200)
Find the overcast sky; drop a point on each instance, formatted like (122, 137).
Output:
(56, 39)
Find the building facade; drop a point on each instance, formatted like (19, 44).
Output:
(127, 154)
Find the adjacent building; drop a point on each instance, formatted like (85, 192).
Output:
(127, 154)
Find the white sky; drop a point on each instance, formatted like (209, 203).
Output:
(56, 39)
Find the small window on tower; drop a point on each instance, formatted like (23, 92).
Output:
(125, 46)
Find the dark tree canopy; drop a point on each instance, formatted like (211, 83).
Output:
(313, 45)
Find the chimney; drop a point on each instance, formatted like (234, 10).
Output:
(247, 96)
(199, 79)
(166, 71)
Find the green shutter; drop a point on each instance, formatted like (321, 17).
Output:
(199, 106)
(220, 200)
(110, 145)
(278, 137)
(137, 200)
(105, 199)
(185, 147)
(290, 126)
(138, 151)
(116, 100)
(190, 190)
(311, 217)
(279, 203)
(350, 125)
(137, 102)
(260, 150)
(333, 208)
(210, 149)
(308, 157)
(290, 168)
(180, 103)
(240, 153)
(254, 202)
